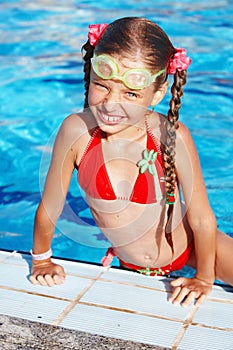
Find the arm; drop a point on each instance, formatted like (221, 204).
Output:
(199, 214)
(63, 161)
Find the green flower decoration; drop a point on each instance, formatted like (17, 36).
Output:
(148, 162)
(150, 272)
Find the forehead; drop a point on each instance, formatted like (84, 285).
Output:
(129, 62)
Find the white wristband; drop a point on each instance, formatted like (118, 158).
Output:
(42, 256)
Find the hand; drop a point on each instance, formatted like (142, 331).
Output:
(47, 274)
(185, 290)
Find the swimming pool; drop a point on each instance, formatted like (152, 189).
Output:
(42, 82)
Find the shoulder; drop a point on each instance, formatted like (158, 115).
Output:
(157, 123)
(183, 132)
(76, 127)
(74, 135)
(187, 159)
(78, 124)
(185, 142)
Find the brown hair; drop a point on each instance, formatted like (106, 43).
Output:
(131, 36)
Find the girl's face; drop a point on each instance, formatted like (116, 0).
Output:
(116, 106)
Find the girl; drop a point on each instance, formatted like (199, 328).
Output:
(133, 163)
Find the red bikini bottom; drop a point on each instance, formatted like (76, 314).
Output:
(177, 264)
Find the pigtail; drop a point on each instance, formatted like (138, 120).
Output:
(169, 150)
(89, 50)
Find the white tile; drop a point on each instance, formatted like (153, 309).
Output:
(71, 267)
(134, 298)
(4, 255)
(215, 314)
(123, 325)
(130, 293)
(223, 292)
(135, 278)
(30, 307)
(81, 269)
(200, 338)
(16, 277)
(18, 259)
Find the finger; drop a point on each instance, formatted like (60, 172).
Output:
(49, 280)
(189, 299)
(177, 282)
(41, 280)
(59, 279)
(180, 297)
(200, 300)
(174, 294)
(33, 279)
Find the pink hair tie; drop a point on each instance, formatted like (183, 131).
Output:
(95, 32)
(179, 61)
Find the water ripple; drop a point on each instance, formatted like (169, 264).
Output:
(41, 72)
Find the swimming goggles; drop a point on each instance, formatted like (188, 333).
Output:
(136, 78)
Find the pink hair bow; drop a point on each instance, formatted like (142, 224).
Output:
(95, 32)
(179, 61)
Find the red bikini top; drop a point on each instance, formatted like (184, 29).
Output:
(94, 180)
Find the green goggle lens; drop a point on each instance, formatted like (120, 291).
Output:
(136, 78)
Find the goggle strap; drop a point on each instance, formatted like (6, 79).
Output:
(159, 73)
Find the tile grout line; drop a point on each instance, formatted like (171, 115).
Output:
(209, 298)
(34, 293)
(73, 303)
(80, 295)
(141, 313)
(184, 327)
(225, 329)
(99, 277)
(218, 300)
(135, 285)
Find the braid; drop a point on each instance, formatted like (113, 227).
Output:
(169, 148)
(87, 69)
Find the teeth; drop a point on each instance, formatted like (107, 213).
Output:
(110, 118)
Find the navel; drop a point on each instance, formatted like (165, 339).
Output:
(147, 257)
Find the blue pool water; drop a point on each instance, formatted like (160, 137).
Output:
(42, 82)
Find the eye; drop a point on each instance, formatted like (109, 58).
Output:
(99, 84)
(131, 94)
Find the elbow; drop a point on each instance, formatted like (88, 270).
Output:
(46, 216)
(205, 223)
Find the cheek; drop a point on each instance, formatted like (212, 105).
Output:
(135, 111)
(95, 96)
(92, 96)
(149, 97)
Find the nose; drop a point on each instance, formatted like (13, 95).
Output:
(111, 102)
(112, 97)
(111, 107)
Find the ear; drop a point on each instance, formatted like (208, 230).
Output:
(159, 94)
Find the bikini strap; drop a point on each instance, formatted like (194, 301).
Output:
(96, 131)
(108, 258)
(154, 138)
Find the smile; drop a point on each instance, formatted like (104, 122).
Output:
(111, 119)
